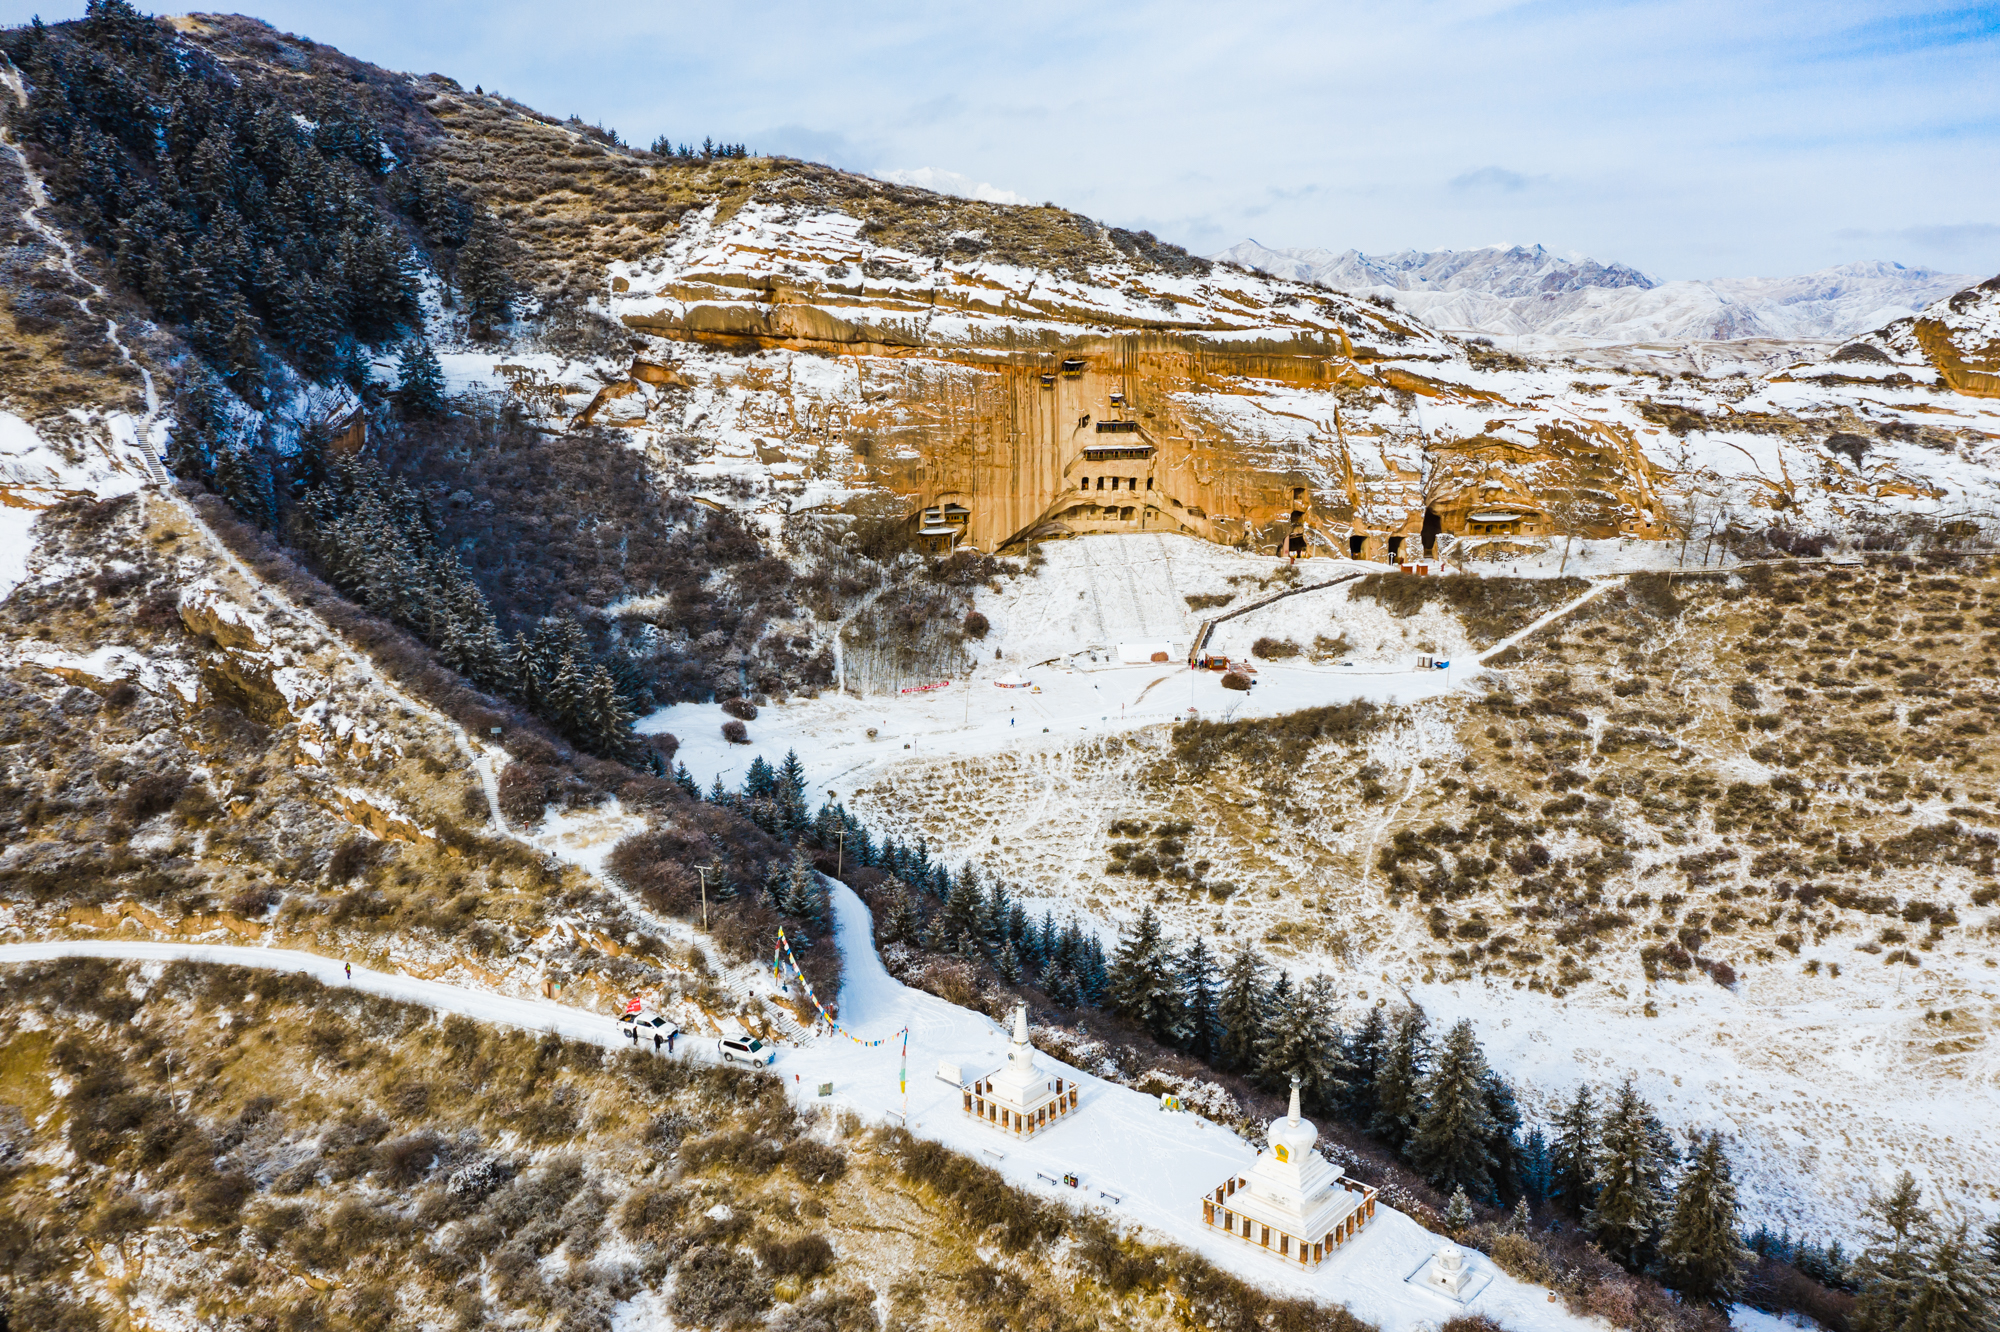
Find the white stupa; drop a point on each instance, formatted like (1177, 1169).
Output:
(1020, 1099)
(1448, 1272)
(1292, 1202)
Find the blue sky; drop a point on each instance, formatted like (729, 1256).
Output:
(1688, 139)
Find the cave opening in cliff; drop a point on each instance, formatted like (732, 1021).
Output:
(1356, 543)
(1432, 526)
(1395, 548)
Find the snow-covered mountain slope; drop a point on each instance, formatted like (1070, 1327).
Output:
(1526, 290)
(1510, 271)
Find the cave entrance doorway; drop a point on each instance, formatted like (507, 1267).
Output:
(1356, 543)
(1395, 549)
(1432, 526)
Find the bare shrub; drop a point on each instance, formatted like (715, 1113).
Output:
(1274, 649)
(152, 794)
(740, 708)
(806, 1256)
(976, 625)
(1236, 680)
(815, 1162)
(351, 857)
(719, 1287)
(736, 733)
(650, 1214)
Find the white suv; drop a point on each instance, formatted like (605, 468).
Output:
(637, 1027)
(746, 1048)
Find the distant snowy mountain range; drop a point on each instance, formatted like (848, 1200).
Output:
(1525, 291)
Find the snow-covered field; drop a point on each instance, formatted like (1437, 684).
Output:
(1058, 634)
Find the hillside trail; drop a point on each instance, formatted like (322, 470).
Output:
(1567, 608)
(38, 200)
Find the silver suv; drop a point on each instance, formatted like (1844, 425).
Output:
(747, 1049)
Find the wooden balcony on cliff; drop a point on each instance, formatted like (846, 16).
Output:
(1499, 522)
(941, 527)
(1073, 366)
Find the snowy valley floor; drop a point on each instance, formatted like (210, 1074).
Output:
(1824, 1087)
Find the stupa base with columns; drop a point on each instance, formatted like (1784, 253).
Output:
(1292, 1203)
(1020, 1099)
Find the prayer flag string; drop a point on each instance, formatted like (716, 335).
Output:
(781, 956)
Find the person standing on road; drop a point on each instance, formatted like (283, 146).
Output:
(350, 971)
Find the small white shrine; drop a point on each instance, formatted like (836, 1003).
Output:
(1020, 1099)
(1293, 1203)
(1447, 1273)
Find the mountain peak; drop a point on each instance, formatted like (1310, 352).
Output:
(1526, 289)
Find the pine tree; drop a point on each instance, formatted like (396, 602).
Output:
(1239, 1012)
(792, 776)
(761, 781)
(1458, 1212)
(1890, 1270)
(1364, 1051)
(1399, 1082)
(1276, 1011)
(1537, 1167)
(1573, 1155)
(900, 921)
(1020, 932)
(1700, 1254)
(802, 893)
(1522, 1221)
(1059, 983)
(1008, 964)
(1199, 978)
(993, 916)
(1301, 1041)
(1093, 977)
(958, 923)
(685, 780)
(1451, 1146)
(1625, 1218)
(1504, 1142)
(419, 380)
(1957, 1290)
(1143, 982)
(485, 276)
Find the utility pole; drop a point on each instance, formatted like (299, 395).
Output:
(703, 871)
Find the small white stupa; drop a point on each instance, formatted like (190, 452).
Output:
(1447, 1273)
(1020, 1098)
(1292, 1203)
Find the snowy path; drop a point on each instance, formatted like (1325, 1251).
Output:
(1118, 1142)
(1558, 613)
(499, 1009)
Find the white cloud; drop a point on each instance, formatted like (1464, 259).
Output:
(1690, 138)
(951, 182)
